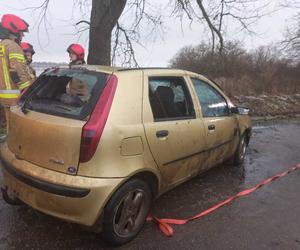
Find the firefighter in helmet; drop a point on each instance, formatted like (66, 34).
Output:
(76, 87)
(29, 52)
(76, 53)
(14, 77)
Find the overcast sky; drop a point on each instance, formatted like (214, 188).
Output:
(62, 16)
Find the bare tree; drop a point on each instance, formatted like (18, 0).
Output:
(139, 20)
(217, 14)
(291, 44)
(104, 17)
(242, 72)
(111, 37)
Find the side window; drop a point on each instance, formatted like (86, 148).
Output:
(212, 102)
(170, 99)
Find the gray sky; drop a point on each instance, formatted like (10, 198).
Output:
(62, 16)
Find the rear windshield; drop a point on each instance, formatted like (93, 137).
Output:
(70, 93)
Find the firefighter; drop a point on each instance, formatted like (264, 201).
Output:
(29, 52)
(14, 77)
(76, 53)
(76, 87)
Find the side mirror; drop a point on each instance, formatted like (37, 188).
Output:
(239, 110)
(243, 110)
(234, 110)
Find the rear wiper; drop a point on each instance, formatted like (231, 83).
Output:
(24, 106)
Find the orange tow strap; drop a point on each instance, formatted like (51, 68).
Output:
(164, 224)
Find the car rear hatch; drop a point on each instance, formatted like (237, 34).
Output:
(46, 126)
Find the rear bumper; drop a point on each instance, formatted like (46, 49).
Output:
(44, 185)
(72, 198)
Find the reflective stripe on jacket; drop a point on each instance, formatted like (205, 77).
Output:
(10, 94)
(14, 74)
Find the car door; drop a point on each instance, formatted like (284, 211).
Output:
(221, 127)
(174, 133)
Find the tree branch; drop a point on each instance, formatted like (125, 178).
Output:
(213, 29)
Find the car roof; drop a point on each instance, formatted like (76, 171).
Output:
(111, 69)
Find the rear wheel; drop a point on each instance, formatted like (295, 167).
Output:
(126, 212)
(240, 152)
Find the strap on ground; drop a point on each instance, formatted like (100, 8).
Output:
(165, 223)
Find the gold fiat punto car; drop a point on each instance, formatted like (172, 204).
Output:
(95, 145)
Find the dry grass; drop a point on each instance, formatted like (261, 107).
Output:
(270, 105)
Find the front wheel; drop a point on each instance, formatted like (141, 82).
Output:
(240, 152)
(126, 212)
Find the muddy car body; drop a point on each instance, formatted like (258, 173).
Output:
(101, 157)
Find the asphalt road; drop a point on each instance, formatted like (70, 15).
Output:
(266, 219)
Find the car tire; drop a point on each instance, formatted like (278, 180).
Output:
(126, 212)
(240, 152)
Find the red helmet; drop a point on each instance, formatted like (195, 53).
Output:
(77, 49)
(27, 47)
(14, 24)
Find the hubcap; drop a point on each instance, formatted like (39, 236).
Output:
(129, 213)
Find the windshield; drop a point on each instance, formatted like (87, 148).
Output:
(70, 93)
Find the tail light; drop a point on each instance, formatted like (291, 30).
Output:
(93, 129)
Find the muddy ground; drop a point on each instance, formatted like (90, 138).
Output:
(266, 219)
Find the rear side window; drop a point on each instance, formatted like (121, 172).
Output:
(70, 93)
(213, 104)
(170, 99)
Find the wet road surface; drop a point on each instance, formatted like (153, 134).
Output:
(266, 219)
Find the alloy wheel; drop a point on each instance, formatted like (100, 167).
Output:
(129, 213)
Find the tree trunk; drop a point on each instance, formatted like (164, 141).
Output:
(104, 16)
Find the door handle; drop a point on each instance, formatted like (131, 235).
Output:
(211, 127)
(162, 133)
